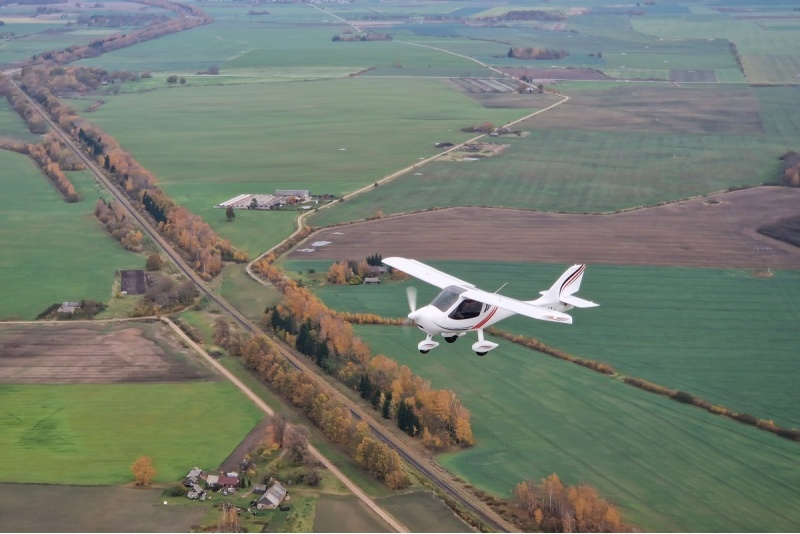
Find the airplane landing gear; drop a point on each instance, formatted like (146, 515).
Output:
(427, 344)
(482, 346)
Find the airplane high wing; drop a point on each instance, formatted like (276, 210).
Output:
(426, 273)
(517, 306)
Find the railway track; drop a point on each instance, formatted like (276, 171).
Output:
(428, 468)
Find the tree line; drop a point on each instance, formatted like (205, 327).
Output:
(537, 53)
(200, 246)
(331, 416)
(437, 417)
(52, 158)
(190, 17)
(261, 355)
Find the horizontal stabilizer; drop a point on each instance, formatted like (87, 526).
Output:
(578, 302)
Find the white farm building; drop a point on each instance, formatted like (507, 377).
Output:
(250, 201)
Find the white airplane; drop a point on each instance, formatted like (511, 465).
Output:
(461, 307)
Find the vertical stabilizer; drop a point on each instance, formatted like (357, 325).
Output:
(562, 293)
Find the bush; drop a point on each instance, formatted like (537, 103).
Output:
(178, 490)
(682, 396)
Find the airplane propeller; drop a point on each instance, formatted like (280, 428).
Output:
(411, 294)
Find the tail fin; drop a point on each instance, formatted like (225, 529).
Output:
(563, 291)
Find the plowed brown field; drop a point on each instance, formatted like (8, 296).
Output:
(716, 231)
(83, 353)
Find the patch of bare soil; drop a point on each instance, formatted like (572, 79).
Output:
(694, 233)
(64, 353)
(45, 508)
(473, 151)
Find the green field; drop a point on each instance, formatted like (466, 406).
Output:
(249, 296)
(723, 335)
(284, 113)
(329, 137)
(574, 171)
(43, 261)
(91, 434)
(655, 458)
(575, 160)
(12, 127)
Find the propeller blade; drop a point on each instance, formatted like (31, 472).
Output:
(411, 293)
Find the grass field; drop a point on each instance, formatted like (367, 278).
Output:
(48, 264)
(767, 44)
(682, 328)
(657, 459)
(574, 171)
(327, 143)
(91, 434)
(610, 147)
(12, 126)
(250, 297)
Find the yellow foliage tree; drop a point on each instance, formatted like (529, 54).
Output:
(143, 470)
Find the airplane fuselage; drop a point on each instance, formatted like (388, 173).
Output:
(450, 313)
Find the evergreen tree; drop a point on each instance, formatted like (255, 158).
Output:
(321, 352)
(365, 387)
(305, 339)
(376, 398)
(387, 406)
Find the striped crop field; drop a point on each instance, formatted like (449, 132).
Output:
(655, 458)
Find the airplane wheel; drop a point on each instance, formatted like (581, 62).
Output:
(451, 339)
(424, 351)
(481, 353)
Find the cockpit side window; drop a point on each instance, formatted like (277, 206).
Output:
(468, 309)
(447, 297)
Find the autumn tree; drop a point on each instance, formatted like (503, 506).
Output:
(278, 423)
(154, 262)
(143, 470)
(296, 442)
(338, 273)
(222, 331)
(553, 507)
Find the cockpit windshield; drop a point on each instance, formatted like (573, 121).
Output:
(447, 297)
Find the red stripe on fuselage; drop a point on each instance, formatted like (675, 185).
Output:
(480, 324)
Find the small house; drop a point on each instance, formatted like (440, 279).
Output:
(372, 280)
(229, 482)
(273, 497)
(196, 493)
(193, 477)
(212, 482)
(69, 307)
